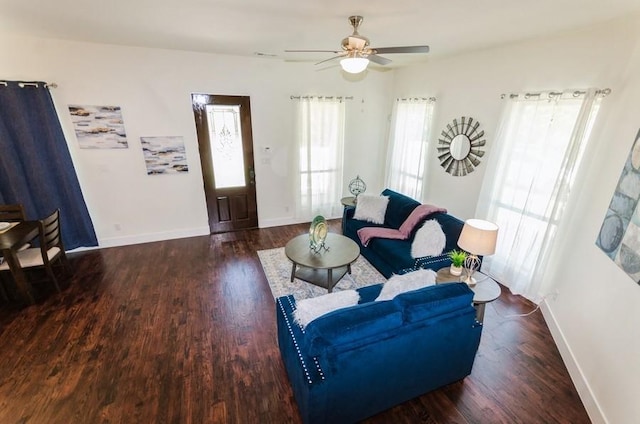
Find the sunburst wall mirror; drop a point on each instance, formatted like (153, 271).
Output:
(459, 147)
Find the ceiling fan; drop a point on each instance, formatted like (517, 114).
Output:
(356, 52)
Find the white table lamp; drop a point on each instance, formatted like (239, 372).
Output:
(478, 238)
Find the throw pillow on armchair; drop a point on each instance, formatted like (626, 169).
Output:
(430, 240)
(371, 208)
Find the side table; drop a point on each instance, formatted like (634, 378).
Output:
(486, 289)
(348, 202)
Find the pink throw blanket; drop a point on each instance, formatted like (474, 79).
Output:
(367, 233)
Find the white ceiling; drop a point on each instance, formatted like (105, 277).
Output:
(247, 27)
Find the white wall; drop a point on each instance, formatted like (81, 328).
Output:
(154, 88)
(597, 312)
(471, 85)
(595, 318)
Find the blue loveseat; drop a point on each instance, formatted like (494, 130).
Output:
(357, 361)
(394, 256)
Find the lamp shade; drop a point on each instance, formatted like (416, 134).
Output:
(478, 237)
(354, 65)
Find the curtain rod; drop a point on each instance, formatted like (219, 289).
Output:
(576, 93)
(23, 84)
(430, 99)
(321, 97)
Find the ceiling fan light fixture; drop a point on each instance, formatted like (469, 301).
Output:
(354, 65)
(356, 52)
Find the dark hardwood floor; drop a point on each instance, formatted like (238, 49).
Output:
(184, 331)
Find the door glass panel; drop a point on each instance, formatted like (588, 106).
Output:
(225, 134)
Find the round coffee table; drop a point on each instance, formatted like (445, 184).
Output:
(326, 267)
(484, 291)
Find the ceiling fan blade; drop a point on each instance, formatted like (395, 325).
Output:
(327, 60)
(378, 59)
(312, 51)
(405, 49)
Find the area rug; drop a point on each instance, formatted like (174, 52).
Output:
(277, 268)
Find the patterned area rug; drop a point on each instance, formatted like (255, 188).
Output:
(277, 268)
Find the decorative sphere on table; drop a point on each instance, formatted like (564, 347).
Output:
(357, 186)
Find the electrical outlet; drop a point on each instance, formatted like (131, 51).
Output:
(554, 294)
(117, 227)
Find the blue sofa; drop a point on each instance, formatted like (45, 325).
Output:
(357, 361)
(394, 256)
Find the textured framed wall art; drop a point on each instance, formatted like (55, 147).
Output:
(619, 235)
(164, 155)
(99, 127)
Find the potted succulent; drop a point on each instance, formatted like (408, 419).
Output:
(457, 261)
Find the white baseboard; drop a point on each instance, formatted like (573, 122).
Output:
(151, 237)
(278, 222)
(575, 372)
(169, 235)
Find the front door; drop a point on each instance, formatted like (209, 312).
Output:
(223, 124)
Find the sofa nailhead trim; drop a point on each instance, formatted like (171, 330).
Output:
(295, 342)
(425, 260)
(318, 367)
(293, 308)
(430, 260)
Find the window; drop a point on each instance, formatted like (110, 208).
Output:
(320, 136)
(408, 145)
(226, 145)
(530, 176)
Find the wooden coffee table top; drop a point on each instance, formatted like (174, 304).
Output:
(342, 251)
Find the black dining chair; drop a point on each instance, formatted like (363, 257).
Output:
(50, 252)
(11, 213)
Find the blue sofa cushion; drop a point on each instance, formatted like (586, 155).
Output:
(340, 329)
(396, 252)
(398, 209)
(369, 293)
(356, 224)
(433, 301)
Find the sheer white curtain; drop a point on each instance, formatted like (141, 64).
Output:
(530, 176)
(408, 146)
(320, 144)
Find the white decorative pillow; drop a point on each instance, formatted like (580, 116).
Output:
(429, 240)
(371, 208)
(406, 282)
(309, 309)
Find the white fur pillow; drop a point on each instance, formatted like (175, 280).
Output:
(429, 240)
(309, 309)
(371, 208)
(406, 282)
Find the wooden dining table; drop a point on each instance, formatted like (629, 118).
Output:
(10, 241)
